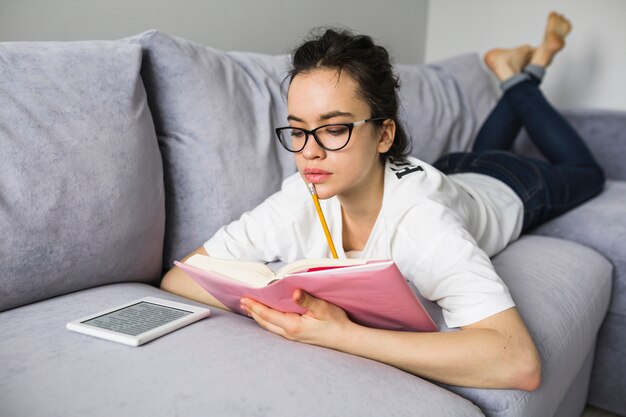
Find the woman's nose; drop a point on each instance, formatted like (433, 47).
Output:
(312, 149)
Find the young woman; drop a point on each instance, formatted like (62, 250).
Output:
(440, 224)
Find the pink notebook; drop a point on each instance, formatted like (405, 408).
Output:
(374, 294)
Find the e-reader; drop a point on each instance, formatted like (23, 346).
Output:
(139, 321)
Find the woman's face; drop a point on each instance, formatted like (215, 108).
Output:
(325, 96)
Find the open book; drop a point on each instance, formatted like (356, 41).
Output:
(372, 292)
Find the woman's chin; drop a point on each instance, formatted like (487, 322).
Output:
(324, 191)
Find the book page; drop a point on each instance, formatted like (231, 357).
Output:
(254, 274)
(304, 264)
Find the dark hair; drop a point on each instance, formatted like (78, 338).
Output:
(367, 63)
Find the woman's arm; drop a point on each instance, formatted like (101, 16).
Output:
(496, 352)
(178, 282)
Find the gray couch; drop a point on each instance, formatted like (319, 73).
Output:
(119, 157)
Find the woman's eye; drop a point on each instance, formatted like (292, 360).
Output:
(297, 133)
(337, 131)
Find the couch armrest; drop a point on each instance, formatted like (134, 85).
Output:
(604, 131)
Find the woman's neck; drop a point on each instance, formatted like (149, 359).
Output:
(359, 211)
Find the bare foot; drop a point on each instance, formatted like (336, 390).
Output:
(557, 29)
(505, 63)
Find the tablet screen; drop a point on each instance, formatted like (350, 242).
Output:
(137, 318)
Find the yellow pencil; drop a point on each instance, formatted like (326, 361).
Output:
(322, 220)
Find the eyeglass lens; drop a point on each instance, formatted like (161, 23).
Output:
(331, 137)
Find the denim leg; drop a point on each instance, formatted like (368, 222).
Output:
(502, 126)
(572, 176)
(547, 189)
(546, 127)
(499, 130)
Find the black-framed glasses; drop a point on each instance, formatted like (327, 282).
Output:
(331, 137)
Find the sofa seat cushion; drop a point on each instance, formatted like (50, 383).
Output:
(81, 178)
(229, 365)
(562, 290)
(225, 365)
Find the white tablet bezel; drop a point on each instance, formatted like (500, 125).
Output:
(197, 313)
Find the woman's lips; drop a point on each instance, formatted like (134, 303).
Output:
(315, 175)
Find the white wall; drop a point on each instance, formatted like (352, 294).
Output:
(590, 72)
(269, 26)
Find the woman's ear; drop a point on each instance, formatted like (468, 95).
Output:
(387, 134)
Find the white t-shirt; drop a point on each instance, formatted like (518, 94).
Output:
(440, 230)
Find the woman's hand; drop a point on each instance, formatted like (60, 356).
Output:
(323, 324)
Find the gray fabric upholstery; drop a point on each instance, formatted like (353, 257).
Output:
(608, 378)
(81, 193)
(222, 366)
(214, 113)
(562, 290)
(443, 104)
(227, 365)
(601, 224)
(576, 396)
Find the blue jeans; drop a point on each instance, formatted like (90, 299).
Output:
(547, 189)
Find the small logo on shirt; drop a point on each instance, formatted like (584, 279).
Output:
(402, 167)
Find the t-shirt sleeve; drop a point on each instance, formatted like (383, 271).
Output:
(453, 271)
(265, 233)
(245, 238)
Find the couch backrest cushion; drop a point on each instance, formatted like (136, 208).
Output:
(443, 104)
(215, 113)
(81, 189)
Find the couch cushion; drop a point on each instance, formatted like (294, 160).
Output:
(443, 104)
(600, 224)
(225, 365)
(607, 379)
(215, 113)
(562, 291)
(81, 193)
